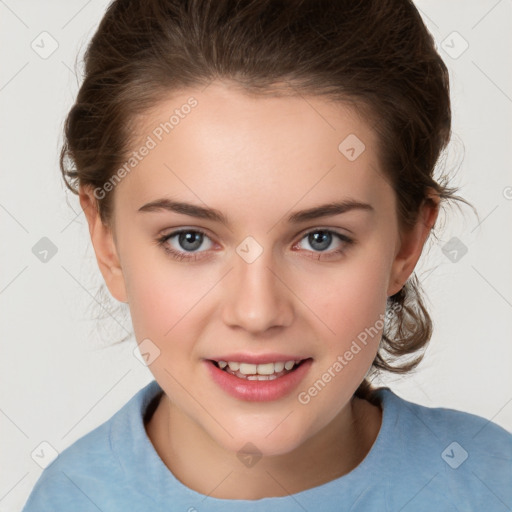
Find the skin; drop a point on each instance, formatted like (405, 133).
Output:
(257, 159)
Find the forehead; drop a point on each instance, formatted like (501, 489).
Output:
(221, 143)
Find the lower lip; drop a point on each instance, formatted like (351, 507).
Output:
(259, 390)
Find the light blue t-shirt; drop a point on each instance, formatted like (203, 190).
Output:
(424, 459)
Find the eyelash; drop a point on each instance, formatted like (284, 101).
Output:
(180, 256)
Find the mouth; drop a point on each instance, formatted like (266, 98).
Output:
(261, 371)
(256, 378)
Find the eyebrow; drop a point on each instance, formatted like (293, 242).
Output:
(316, 212)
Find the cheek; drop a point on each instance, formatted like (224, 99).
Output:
(163, 298)
(165, 306)
(350, 298)
(353, 307)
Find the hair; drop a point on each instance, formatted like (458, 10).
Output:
(375, 56)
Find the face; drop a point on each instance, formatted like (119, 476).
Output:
(264, 278)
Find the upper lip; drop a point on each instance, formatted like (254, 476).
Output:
(258, 358)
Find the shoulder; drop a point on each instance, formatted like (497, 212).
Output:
(462, 455)
(72, 478)
(445, 423)
(89, 471)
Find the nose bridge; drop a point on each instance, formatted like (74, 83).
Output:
(257, 298)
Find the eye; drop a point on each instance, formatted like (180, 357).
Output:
(186, 243)
(321, 239)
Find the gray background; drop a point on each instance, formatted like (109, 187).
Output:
(58, 380)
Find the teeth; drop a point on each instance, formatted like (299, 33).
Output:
(261, 377)
(246, 368)
(278, 367)
(256, 370)
(265, 369)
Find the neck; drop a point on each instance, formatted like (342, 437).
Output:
(202, 465)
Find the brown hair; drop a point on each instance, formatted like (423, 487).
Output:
(375, 55)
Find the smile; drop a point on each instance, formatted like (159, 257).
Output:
(263, 380)
(264, 371)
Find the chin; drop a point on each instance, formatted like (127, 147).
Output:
(271, 440)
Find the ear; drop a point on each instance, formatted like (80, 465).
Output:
(412, 242)
(103, 241)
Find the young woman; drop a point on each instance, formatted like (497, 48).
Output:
(258, 182)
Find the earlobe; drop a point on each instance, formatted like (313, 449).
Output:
(411, 245)
(104, 246)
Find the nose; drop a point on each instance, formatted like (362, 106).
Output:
(257, 296)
